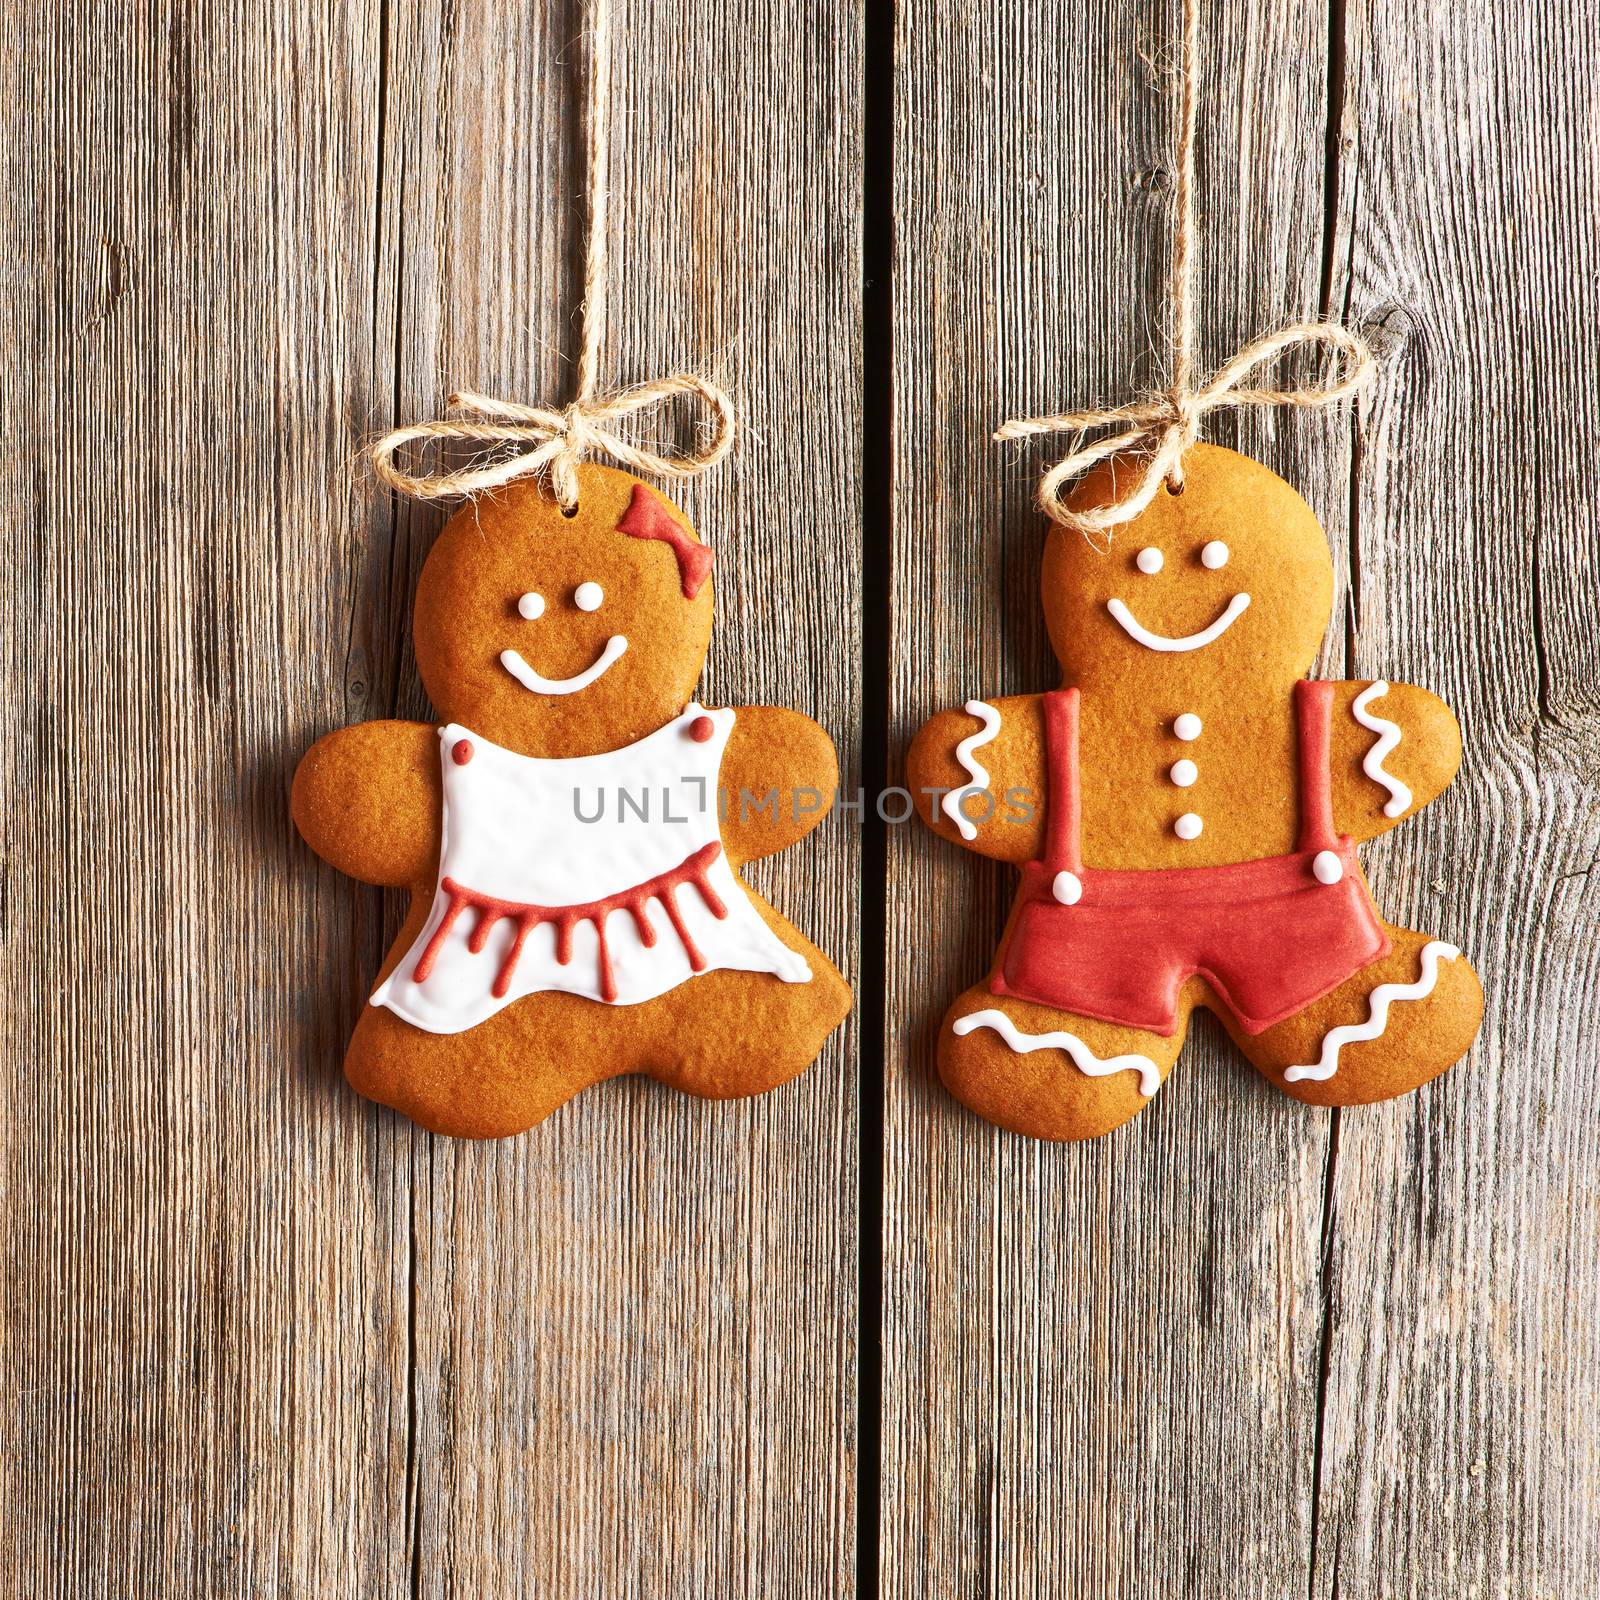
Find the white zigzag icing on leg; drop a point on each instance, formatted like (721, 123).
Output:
(1434, 951)
(1083, 1058)
(1388, 738)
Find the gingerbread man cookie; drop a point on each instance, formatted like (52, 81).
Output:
(577, 910)
(1193, 842)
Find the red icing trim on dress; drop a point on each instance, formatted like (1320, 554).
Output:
(528, 917)
(648, 518)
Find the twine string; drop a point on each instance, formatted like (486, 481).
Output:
(597, 198)
(1160, 429)
(553, 440)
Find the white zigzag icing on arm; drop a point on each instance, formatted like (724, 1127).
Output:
(1388, 738)
(1083, 1058)
(990, 718)
(1381, 998)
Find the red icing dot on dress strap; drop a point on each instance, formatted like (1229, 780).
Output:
(701, 729)
(461, 753)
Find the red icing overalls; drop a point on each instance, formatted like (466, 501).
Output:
(1269, 936)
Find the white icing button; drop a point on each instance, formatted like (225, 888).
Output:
(1214, 555)
(1188, 826)
(1149, 560)
(1184, 773)
(1327, 866)
(531, 606)
(587, 596)
(1067, 888)
(1187, 727)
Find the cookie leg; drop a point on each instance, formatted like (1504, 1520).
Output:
(1047, 1073)
(723, 1034)
(1385, 1032)
(729, 1034)
(496, 1079)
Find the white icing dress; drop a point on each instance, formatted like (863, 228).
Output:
(601, 876)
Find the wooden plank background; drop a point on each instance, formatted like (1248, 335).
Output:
(1244, 1348)
(259, 1337)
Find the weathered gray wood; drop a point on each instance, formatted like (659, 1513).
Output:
(1463, 1384)
(257, 1336)
(205, 1241)
(1239, 1347)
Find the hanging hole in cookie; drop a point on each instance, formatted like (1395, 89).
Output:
(569, 512)
(1175, 482)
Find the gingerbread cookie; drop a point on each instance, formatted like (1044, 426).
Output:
(577, 910)
(1200, 801)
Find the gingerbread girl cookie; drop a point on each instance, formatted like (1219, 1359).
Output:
(1194, 840)
(577, 910)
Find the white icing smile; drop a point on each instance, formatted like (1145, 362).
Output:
(1140, 634)
(537, 683)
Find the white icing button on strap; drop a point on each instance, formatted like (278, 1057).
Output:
(1327, 866)
(1214, 555)
(1188, 826)
(587, 596)
(1067, 888)
(1187, 727)
(1184, 773)
(531, 606)
(1149, 560)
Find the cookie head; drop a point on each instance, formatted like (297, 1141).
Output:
(564, 636)
(1230, 576)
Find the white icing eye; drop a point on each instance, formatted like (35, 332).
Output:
(531, 606)
(587, 596)
(1187, 726)
(1188, 826)
(1214, 555)
(1149, 560)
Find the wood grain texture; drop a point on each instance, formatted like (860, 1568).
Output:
(1463, 1356)
(1240, 1347)
(257, 1336)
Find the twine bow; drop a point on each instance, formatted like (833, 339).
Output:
(555, 440)
(1163, 427)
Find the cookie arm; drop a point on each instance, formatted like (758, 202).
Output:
(1392, 749)
(367, 799)
(998, 747)
(779, 778)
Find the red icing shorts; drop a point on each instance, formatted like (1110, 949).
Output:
(1269, 936)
